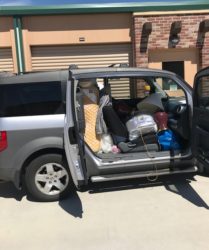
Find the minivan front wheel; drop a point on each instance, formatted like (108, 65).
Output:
(47, 178)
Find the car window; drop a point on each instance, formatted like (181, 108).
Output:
(203, 92)
(140, 87)
(120, 88)
(31, 99)
(124, 87)
(168, 86)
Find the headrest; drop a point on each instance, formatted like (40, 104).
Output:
(87, 83)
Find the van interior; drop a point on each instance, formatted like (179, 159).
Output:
(133, 118)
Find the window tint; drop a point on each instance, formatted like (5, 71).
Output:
(203, 92)
(31, 99)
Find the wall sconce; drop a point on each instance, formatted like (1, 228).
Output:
(204, 26)
(146, 31)
(147, 28)
(174, 37)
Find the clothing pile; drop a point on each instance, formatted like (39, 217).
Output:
(125, 126)
(140, 129)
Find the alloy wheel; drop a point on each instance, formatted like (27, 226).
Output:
(51, 178)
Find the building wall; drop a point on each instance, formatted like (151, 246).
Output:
(68, 29)
(190, 40)
(115, 28)
(7, 40)
(74, 30)
(190, 56)
(6, 29)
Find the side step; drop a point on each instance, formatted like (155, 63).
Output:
(143, 174)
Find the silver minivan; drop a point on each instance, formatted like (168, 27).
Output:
(42, 129)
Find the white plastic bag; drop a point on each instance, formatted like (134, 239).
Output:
(141, 124)
(106, 143)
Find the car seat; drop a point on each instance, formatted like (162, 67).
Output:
(90, 103)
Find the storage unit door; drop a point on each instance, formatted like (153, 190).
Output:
(85, 56)
(6, 61)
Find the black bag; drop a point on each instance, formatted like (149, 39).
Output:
(138, 145)
(148, 139)
(130, 147)
(117, 129)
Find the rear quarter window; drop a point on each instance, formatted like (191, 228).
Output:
(30, 99)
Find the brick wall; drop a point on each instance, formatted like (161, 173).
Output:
(159, 37)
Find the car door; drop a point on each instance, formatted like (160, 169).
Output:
(201, 117)
(72, 142)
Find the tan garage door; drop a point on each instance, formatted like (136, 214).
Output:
(85, 56)
(6, 61)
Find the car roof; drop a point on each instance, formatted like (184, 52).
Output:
(117, 71)
(30, 77)
(63, 75)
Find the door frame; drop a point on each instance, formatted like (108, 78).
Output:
(190, 56)
(72, 142)
(198, 115)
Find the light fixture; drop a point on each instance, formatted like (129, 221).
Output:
(174, 38)
(203, 29)
(146, 31)
(204, 26)
(147, 28)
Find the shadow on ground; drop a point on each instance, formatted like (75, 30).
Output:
(72, 205)
(8, 190)
(179, 185)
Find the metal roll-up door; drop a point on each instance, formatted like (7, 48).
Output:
(85, 56)
(6, 61)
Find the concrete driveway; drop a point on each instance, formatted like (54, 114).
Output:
(171, 213)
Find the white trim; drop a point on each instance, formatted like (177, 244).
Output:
(167, 13)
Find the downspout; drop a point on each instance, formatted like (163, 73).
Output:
(17, 22)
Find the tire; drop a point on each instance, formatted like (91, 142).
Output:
(206, 171)
(48, 178)
(203, 170)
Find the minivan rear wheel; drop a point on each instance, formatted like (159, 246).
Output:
(47, 178)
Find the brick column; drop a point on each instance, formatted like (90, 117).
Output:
(190, 36)
(140, 54)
